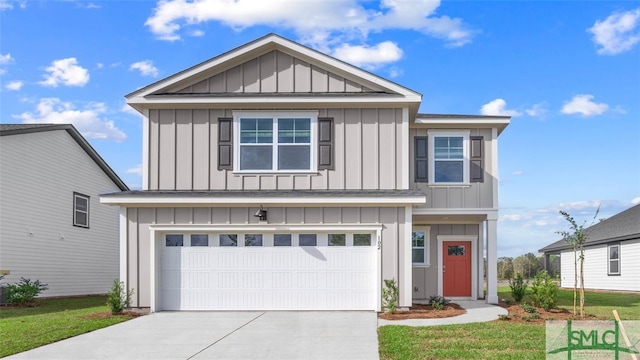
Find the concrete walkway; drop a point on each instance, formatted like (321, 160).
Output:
(477, 311)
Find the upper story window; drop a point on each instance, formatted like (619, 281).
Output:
(449, 157)
(281, 142)
(80, 210)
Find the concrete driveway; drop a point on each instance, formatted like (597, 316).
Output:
(225, 335)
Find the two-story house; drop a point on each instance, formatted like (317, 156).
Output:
(279, 178)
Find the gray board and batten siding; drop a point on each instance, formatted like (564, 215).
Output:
(183, 153)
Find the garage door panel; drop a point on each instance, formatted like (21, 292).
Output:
(268, 278)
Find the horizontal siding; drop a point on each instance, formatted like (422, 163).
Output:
(274, 72)
(184, 153)
(40, 172)
(476, 195)
(139, 219)
(595, 268)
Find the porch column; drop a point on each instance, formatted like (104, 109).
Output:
(492, 261)
(481, 245)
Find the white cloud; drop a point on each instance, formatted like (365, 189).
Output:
(498, 107)
(583, 104)
(635, 201)
(5, 59)
(14, 85)
(135, 170)
(319, 23)
(196, 33)
(87, 120)
(369, 56)
(145, 67)
(537, 110)
(517, 173)
(617, 33)
(65, 72)
(394, 72)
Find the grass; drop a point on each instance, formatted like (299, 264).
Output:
(493, 340)
(496, 339)
(52, 320)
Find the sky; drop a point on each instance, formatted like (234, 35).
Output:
(568, 72)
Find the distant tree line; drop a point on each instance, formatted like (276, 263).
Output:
(528, 265)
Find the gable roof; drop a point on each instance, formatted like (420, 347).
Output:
(160, 92)
(622, 226)
(17, 129)
(453, 121)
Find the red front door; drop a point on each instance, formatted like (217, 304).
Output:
(456, 272)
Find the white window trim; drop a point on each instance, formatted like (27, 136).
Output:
(313, 115)
(427, 244)
(432, 134)
(609, 259)
(75, 210)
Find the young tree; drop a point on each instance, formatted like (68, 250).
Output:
(576, 237)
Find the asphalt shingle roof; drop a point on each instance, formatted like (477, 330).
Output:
(622, 226)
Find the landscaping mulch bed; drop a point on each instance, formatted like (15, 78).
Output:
(518, 314)
(421, 311)
(107, 314)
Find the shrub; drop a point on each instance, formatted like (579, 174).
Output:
(518, 287)
(118, 298)
(24, 292)
(544, 291)
(438, 302)
(390, 295)
(530, 317)
(504, 317)
(528, 308)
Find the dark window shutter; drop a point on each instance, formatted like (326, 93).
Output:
(421, 159)
(325, 144)
(225, 143)
(476, 172)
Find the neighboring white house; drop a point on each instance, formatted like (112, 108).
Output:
(276, 177)
(611, 256)
(52, 225)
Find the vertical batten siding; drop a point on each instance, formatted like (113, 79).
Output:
(40, 173)
(274, 72)
(183, 148)
(475, 195)
(596, 266)
(138, 257)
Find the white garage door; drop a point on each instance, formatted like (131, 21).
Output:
(268, 272)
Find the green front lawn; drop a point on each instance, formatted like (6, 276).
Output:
(492, 340)
(495, 339)
(22, 329)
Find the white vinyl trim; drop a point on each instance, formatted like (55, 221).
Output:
(405, 148)
(465, 155)
(123, 245)
(175, 201)
(145, 149)
(474, 260)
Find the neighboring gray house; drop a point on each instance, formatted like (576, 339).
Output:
(276, 177)
(611, 256)
(52, 225)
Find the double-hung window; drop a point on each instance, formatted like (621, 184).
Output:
(449, 160)
(280, 142)
(80, 210)
(420, 246)
(614, 259)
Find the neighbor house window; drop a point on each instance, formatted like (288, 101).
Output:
(420, 247)
(614, 259)
(448, 157)
(80, 210)
(276, 141)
